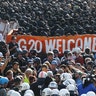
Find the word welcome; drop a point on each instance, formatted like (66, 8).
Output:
(44, 44)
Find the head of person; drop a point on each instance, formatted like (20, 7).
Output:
(50, 56)
(60, 71)
(30, 63)
(78, 66)
(66, 53)
(87, 50)
(29, 93)
(44, 67)
(32, 79)
(54, 64)
(49, 73)
(33, 53)
(72, 89)
(53, 85)
(48, 64)
(25, 53)
(10, 92)
(55, 92)
(63, 67)
(4, 81)
(76, 51)
(94, 69)
(42, 74)
(36, 62)
(77, 75)
(89, 65)
(28, 72)
(46, 92)
(64, 92)
(25, 86)
(57, 78)
(17, 81)
(19, 54)
(88, 59)
(70, 56)
(56, 52)
(90, 93)
(65, 76)
(9, 74)
(15, 65)
(13, 39)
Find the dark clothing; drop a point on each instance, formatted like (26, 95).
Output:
(22, 92)
(46, 59)
(3, 48)
(37, 86)
(61, 86)
(46, 83)
(22, 63)
(11, 45)
(16, 72)
(54, 72)
(16, 89)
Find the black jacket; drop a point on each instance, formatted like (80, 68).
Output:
(37, 86)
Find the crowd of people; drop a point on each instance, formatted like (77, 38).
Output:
(50, 17)
(25, 73)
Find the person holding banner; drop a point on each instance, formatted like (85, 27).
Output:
(13, 45)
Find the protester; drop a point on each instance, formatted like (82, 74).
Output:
(28, 72)
(13, 45)
(16, 69)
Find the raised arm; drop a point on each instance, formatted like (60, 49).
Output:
(2, 68)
